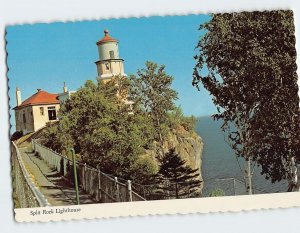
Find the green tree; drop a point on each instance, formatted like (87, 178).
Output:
(151, 90)
(56, 136)
(176, 119)
(144, 169)
(98, 122)
(178, 179)
(247, 61)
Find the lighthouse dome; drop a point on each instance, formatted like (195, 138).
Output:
(106, 38)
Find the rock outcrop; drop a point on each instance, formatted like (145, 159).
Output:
(188, 145)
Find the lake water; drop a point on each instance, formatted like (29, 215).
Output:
(219, 162)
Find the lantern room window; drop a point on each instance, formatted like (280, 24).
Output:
(111, 54)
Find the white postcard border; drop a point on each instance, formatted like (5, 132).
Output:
(159, 207)
(140, 208)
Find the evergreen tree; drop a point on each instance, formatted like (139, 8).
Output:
(177, 179)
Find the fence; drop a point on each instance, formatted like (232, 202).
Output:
(168, 190)
(101, 187)
(25, 194)
(227, 187)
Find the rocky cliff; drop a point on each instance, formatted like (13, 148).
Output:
(188, 145)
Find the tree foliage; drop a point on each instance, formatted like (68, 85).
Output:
(176, 118)
(144, 169)
(217, 193)
(113, 124)
(247, 61)
(101, 129)
(151, 90)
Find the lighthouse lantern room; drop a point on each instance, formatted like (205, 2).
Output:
(110, 64)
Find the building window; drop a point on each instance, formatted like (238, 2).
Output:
(42, 111)
(106, 66)
(51, 113)
(111, 54)
(24, 118)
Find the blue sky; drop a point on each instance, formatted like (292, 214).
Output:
(45, 55)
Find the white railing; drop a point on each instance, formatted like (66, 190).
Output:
(26, 194)
(102, 187)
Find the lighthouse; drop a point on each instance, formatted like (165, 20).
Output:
(110, 64)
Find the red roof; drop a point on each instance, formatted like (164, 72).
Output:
(106, 38)
(40, 97)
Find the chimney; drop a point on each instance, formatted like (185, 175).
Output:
(65, 88)
(18, 96)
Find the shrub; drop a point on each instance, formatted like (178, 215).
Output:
(217, 193)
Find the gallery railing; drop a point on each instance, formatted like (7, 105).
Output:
(101, 187)
(25, 194)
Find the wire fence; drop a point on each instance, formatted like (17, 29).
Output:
(213, 187)
(106, 188)
(25, 193)
(100, 186)
(168, 190)
(227, 187)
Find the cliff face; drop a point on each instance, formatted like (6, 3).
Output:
(188, 145)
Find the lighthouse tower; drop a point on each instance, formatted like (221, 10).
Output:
(110, 64)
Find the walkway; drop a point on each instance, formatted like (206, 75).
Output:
(54, 187)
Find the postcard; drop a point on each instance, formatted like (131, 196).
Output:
(158, 115)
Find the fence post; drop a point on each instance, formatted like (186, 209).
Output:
(75, 176)
(84, 177)
(117, 189)
(99, 184)
(144, 192)
(129, 190)
(65, 167)
(168, 186)
(234, 191)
